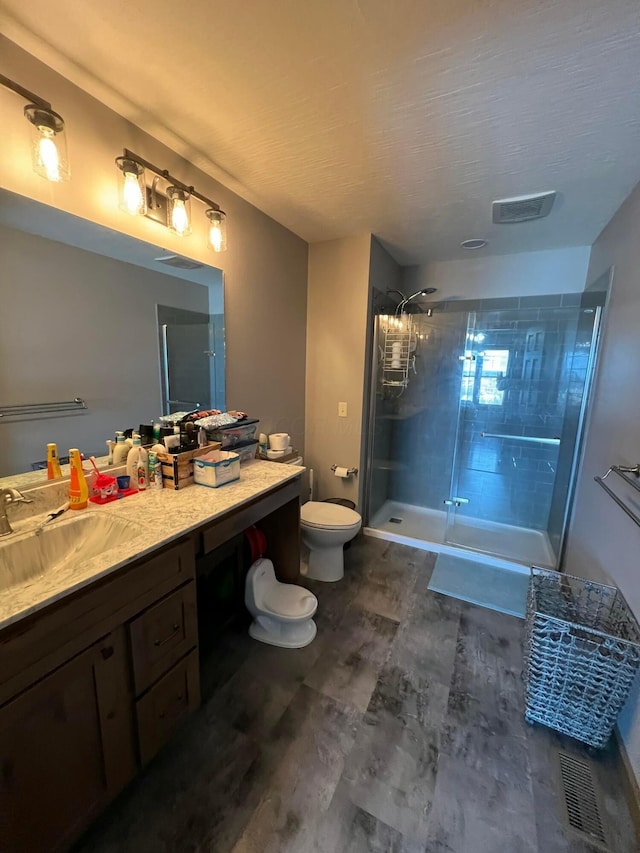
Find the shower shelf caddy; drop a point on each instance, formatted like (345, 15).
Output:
(398, 350)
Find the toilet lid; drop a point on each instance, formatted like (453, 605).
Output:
(320, 514)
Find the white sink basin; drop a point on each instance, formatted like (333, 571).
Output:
(29, 555)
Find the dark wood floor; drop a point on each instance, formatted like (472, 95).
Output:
(400, 729)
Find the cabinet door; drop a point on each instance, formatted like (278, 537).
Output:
(66, 747)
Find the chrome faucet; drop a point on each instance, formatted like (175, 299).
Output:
(8, 497)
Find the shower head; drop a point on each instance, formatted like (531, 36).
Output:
(425, 292)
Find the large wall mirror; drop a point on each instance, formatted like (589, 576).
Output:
(132, 330)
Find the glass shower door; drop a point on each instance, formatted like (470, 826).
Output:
(522, 383)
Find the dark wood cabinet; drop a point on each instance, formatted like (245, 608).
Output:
(66, 747)
(92, 686)
(166, 704)
(162, 635)
(70, 736)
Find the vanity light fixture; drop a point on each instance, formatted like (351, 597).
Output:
(48, 139)
(171, 207)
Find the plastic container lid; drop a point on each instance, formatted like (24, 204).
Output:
(320, 514)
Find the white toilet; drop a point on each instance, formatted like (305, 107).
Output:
(282, 612)
(325, 528)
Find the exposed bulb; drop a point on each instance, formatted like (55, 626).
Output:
(132, 194)
(215, 236)
(48, 156)
(179, 218)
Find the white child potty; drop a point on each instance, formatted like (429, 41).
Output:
(281, 611)
(325, 528)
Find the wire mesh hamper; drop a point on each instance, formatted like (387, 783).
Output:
(582, 654)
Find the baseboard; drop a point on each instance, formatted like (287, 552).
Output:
(632, 788)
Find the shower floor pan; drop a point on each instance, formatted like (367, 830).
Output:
(513, 547)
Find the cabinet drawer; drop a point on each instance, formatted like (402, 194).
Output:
(168, 702)
(162, 635)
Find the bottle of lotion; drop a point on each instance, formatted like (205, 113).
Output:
(121, 450)
(78, 489)
(137, 465)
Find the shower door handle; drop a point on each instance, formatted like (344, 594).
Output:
(455, 501)
(466, 358)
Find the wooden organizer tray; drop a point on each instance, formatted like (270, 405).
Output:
(177, 468)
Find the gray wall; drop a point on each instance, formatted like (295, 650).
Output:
(493, 276)
(337, 335)
(603, 542)
(74, 323)
(265, 266)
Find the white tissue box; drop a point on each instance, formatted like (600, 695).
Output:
(217, 468)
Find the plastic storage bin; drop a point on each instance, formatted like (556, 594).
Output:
(229, 436)
(246, 450)
(218, 468)
(581, 657)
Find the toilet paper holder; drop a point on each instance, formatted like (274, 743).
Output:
(350, 471)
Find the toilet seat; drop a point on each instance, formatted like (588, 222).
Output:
(290, 602)
(327, 516)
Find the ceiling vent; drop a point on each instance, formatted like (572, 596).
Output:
(523, 208)
(179, 262)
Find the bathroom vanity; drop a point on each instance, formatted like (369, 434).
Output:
(99, 657)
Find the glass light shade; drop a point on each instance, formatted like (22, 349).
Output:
(48, 144)
(217, 230)
(179, 211)
(133, 188)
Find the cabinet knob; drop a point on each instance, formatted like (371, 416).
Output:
(106, 652)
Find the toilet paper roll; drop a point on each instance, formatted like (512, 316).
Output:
(395, 363)
(341, 472)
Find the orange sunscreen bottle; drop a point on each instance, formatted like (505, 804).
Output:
(53, 465)
(78, 489)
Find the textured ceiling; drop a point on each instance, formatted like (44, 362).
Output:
(401, 118)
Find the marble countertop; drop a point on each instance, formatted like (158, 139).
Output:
(159, 516)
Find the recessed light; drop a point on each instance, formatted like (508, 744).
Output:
(473, 244)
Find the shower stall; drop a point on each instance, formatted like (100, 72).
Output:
(476, 414)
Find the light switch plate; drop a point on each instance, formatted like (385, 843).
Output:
(342, 410)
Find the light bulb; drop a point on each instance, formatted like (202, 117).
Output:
(132, 194)
(179, 218)
(215, 236)
(48, 155)
(217, 229)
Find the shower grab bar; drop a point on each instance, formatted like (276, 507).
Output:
(614, 497)
(521, 437)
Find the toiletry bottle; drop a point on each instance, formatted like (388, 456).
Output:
(110, 447)
(136, 454)
(142, 469)
(53, 465)
(263, 443)
(78, 489)
(155, 471)
(202, 437)
(121, 450)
